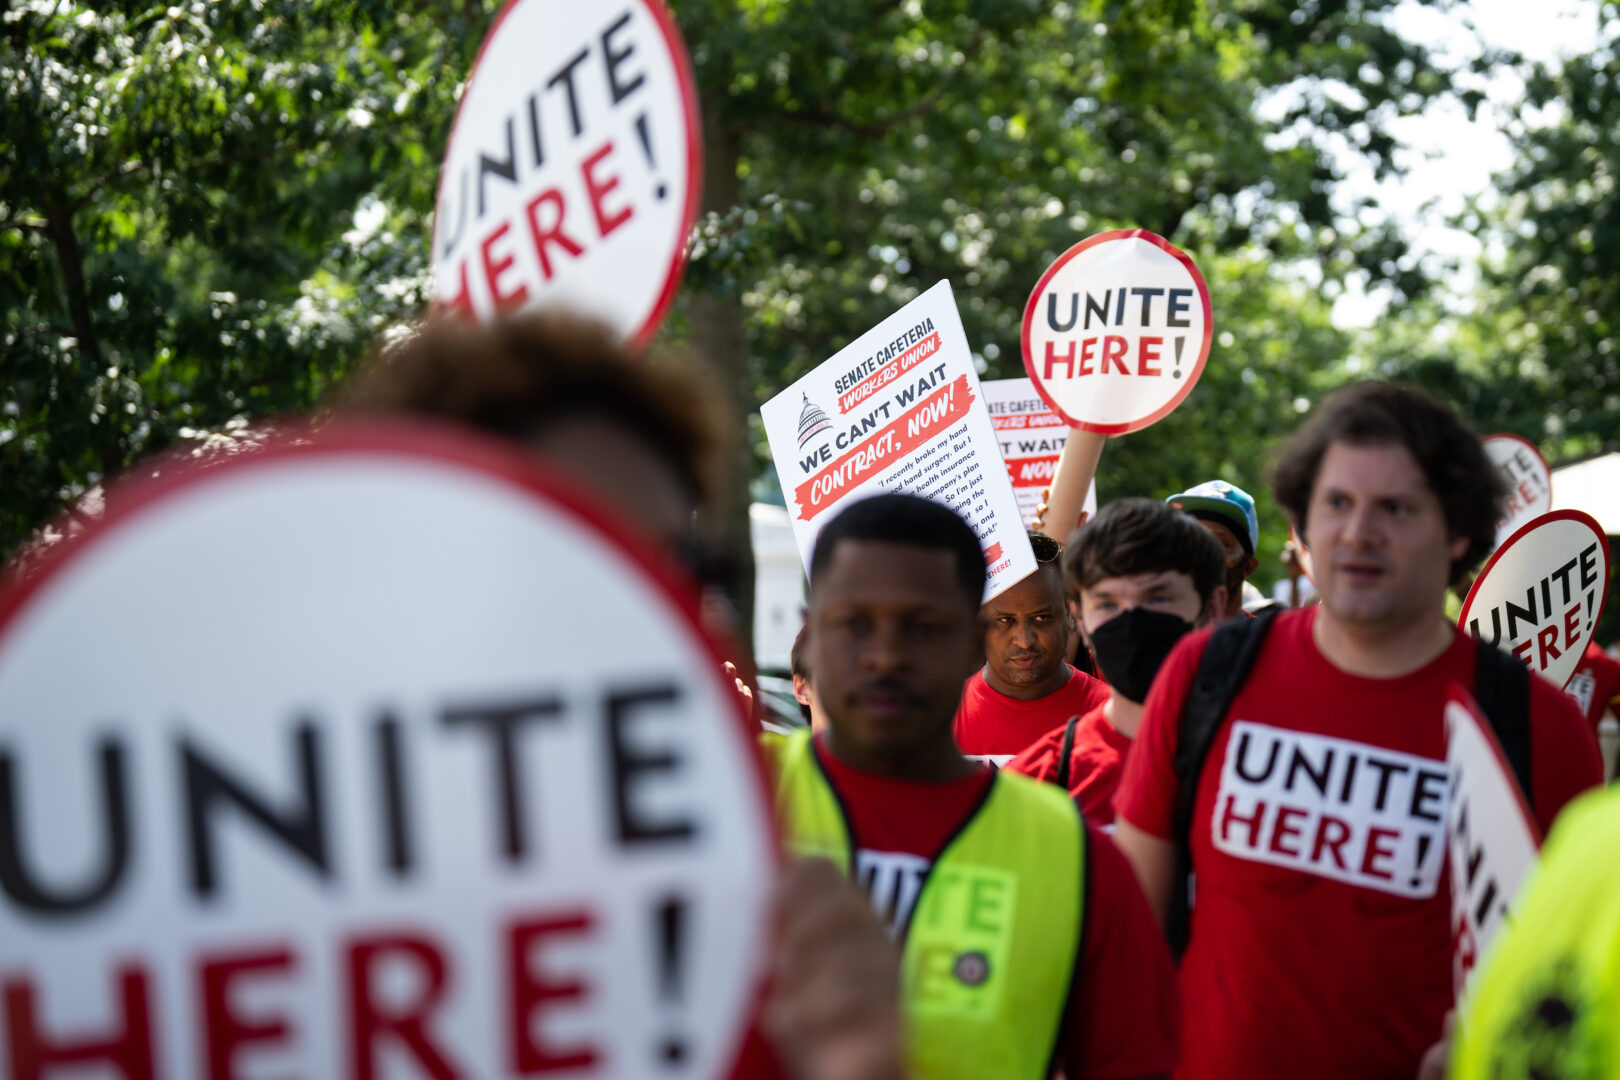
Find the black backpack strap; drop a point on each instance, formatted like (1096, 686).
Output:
(1502, 689)
(1228, 658)
(1068, 748)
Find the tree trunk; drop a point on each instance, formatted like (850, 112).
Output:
(718, 336)
(110, 449)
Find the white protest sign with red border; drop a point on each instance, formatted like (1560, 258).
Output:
(573, 172)
(1031, 437)
(1492, 840)
(899, 409)
(373, 752)
(1527, 477)
(1542, 593)
(1369, 816)
(1117, 331)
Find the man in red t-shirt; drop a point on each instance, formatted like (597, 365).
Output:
(893, 623)
(1320, 931)
(1143, 575)
(1026, 687)
(1595, 686)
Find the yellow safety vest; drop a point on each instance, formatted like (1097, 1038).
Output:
(992, 944)
(1547, 1002)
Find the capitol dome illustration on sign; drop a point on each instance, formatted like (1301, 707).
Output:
(812, 421)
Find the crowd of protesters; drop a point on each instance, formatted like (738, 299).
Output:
(1216, 857)
(1207, 860)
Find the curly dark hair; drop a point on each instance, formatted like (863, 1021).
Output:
(1446, 449)
(517, 375)
(1143, 536)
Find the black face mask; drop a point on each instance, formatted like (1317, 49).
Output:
(1132, 645)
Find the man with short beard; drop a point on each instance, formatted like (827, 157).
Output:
(1026, 687)
(1320, 939)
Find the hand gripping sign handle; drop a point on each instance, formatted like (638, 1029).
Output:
(1076, 467)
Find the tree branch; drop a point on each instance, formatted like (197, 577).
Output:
(46, 327)
(126, 169)
(59, 227)
(38, 225)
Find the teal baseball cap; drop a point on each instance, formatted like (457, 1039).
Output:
(1218, 501)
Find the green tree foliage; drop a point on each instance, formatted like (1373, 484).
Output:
(1533, 350)
(178, 238)
(177, 209)
(883, 146)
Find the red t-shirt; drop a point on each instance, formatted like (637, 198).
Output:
(1121, 1018)
(994, 727)
(1096, 763)
(1595, 683)
(1320, 941)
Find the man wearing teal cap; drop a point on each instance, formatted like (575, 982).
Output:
(1228, 512)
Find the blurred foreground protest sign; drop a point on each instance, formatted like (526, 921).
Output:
(1541, 594)
(1031, 438)
(1117, 330)
(899, 409)
(1491, 835)
(573, 169)
(1527, 479)
(371, 752)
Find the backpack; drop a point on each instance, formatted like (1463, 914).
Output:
(1501, 687)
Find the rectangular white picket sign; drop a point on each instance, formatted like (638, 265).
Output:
(899, 409)
(1031, 437)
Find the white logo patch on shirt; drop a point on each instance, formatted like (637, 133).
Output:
(1350, 811)
(892, 879)
(1581, 687)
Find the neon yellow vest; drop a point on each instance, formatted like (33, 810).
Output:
(995, 935)
(1547, 1002)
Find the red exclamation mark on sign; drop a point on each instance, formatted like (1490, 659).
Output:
(669, 930)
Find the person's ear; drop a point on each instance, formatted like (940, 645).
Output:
(1249, 564)
(1213, 608)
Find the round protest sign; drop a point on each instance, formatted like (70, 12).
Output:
(573, 169)
(1527, 478)
(1117, 331)
(1541, 595)
(371, 753)
(1492, 839)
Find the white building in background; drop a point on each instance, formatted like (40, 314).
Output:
(778, 586)
(1592, 485)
